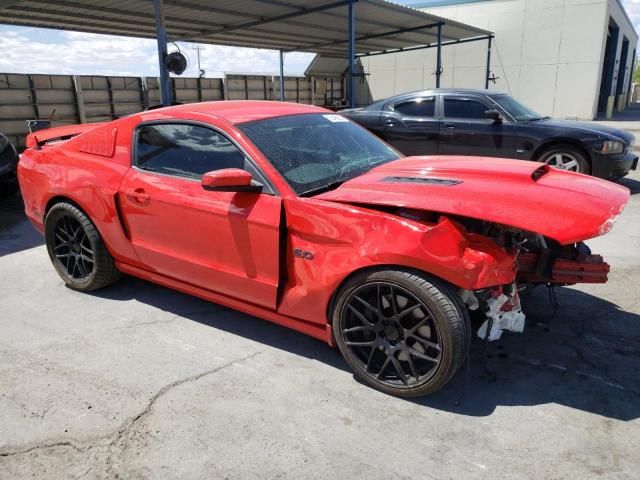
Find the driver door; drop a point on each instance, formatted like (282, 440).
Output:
(226, 242)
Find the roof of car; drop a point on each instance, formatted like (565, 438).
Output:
(475, 91)
(469, 91)
(240, 111)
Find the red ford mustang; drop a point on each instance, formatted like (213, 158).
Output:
(299, 216)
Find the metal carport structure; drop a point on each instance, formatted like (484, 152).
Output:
(336, 28)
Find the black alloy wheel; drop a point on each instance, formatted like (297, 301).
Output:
(76, 249)
(401, 332)
(391, 334)
(72, 248)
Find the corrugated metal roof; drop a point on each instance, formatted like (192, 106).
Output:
(292, 25)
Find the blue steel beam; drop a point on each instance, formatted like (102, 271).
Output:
(352, 55)
(439, 56)
(486, 83)
(161, 38)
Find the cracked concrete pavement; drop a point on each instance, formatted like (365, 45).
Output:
(137, 381)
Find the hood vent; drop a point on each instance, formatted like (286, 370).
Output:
(423, 180)
(539, 172)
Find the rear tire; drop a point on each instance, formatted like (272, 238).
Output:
(401, 332)
(76, 249)
(566, 157)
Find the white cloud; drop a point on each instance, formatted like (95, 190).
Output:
(30, 50)
(74, 53)
(633, 10)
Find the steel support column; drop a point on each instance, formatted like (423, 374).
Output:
(488, 75)
(161, 38)
(281, 76)
(439, 56)
(352, 56)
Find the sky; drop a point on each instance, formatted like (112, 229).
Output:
(33, 50)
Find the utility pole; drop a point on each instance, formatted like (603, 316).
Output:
(197, 48)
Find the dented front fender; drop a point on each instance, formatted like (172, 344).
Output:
(341, 239)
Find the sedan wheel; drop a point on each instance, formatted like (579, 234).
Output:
(566, 157)
(401, 333)
(563, 161)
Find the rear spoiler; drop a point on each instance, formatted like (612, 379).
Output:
(37, 139)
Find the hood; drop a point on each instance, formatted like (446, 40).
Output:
(565, 206)
(595, 129)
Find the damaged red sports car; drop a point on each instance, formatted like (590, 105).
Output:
(299, 216)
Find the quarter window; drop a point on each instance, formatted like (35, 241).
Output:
(417, 107)
(184, 150)
(464, 108)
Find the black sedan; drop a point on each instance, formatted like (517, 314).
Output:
(479, 122)
(8, 166)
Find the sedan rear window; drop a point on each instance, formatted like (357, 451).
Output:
(417, 107)
(317, 151)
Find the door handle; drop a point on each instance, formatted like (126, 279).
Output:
(389, 123)
(449, 126)
(138, 195)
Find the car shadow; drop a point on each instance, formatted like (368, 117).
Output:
(586, 357)
(222, 318)
(583, 355)
(16, 232)
(632, 184)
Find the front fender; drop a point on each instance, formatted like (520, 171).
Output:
(337, 240)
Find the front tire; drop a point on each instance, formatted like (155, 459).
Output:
(401, 332)
(566, 157)
(76, 249)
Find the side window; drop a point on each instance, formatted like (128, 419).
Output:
(460, 107)
(184, 150)
(417, 107)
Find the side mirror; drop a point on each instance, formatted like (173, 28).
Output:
(494, 115)
(230, 180)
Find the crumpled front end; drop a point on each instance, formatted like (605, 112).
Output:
(537, 261)
(513, 221)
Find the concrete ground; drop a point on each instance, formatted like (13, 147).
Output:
(138, 381)
(628, 119)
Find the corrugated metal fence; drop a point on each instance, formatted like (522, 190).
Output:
(68, 99)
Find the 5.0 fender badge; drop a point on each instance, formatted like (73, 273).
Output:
(298, 252)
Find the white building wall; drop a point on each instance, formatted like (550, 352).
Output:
(616, 12)
(547, 53)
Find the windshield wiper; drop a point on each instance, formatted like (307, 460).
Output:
(324, 188)
(343, 177)
(535, 119)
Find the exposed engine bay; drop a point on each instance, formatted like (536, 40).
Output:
(539, 261)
